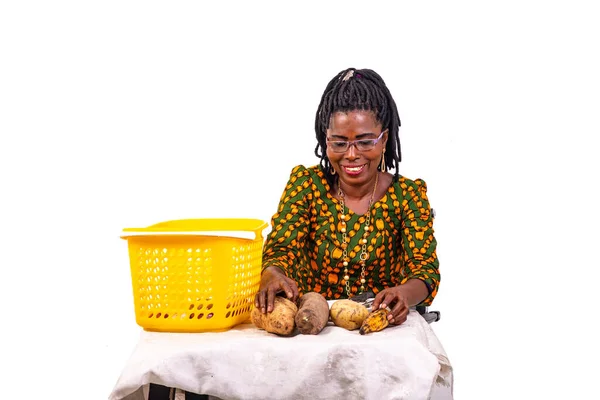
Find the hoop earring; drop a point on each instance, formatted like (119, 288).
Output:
(382, 165)
(331, 171)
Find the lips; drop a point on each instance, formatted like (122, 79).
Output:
(353, 169)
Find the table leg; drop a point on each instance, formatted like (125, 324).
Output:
(160, 392)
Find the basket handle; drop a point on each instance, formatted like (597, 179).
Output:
(198, 226)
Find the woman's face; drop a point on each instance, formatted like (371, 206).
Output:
(354, 166)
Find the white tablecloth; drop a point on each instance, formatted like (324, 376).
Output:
(400, 362)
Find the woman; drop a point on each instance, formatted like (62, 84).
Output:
(347, 225)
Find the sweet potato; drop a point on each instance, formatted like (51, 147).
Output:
(279, 321)
(313, 313)
(348, 314)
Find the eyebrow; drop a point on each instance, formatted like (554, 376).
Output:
(365, 135)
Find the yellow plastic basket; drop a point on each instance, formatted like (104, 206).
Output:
(195, 275)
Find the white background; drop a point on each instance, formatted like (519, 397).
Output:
(124, 114)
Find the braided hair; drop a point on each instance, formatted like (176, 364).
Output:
(358, 89)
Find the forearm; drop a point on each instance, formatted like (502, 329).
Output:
(281, 260)
(284, 244)
(421, 266)
(283, 248)
(415, 291)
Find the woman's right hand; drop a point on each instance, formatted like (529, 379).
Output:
(273, 281)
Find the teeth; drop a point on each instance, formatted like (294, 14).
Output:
(354, 169)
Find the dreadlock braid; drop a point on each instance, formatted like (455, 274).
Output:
(358, 89)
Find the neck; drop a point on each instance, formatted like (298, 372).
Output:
(361, 192)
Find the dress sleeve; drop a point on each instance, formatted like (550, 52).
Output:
(417, 239)
(285, 243)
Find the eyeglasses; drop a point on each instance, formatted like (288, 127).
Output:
(342, 146)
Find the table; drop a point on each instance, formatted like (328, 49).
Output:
(405, 361)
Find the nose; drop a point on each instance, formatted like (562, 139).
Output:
(351, 152)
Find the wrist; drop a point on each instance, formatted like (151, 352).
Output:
(414, 291)
(273, 269)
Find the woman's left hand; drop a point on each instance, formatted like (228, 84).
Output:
(396, 300)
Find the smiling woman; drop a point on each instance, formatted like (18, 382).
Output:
(347, 226)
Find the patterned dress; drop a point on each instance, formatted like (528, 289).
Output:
(306, 240)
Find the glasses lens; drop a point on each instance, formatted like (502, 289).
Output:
(339, 147)
(365, 145)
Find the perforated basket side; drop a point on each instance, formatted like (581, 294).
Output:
(243, 281)
(193, 283)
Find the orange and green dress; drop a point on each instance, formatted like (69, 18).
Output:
(306, 241)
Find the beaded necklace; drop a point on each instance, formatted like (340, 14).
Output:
(364, 255)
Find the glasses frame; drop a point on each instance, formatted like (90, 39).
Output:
(350, 143)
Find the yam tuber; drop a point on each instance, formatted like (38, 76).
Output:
(279, 321)
(375, 321)
(348, 314)
(313, 313)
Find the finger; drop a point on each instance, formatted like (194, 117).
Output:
(397, 311)
(388, 299)
(261, 301)
(294, 287)
(378, 298)
(285, 285)
(270, 299)
(402, 317)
